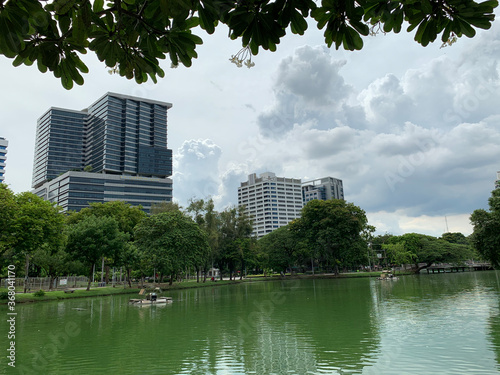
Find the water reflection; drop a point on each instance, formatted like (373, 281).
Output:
(446, 324)
(435, 323)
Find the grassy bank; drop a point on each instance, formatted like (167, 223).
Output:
(107, 291)
(77, 293)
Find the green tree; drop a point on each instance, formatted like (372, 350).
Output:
(283, 248)
(398, 254)
(30, 223)
(131, 36)
(172, 242)
(455, 237)
(158, 208)
(204, 214)
(126, 216)
(234, 249)
(486, 235)
(426, 250)
(8, 208)
(54, 262)
(334, 228)
(92, 238)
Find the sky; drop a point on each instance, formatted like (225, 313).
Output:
(413, 132)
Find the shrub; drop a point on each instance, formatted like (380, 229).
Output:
(4, 295)
(39, 293)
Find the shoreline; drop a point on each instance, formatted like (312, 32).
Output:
(59, 295)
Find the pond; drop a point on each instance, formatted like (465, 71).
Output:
(443, 323)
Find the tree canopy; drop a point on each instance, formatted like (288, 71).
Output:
(424, 250)
(486, 236)
(94, 237)
(171, 241)
(28, 224)
(333, 230)
(131, 36)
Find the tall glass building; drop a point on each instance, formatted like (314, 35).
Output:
(116, 149)
(3, 156)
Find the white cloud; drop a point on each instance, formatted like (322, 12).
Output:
(413, 132)
(196, 170)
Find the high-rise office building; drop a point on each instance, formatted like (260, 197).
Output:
(116, 149)
(3, 157)
(323, 189)
(271, 201)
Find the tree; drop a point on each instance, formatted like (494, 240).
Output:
(283, 248)
(335, 228)
(234, 247)
(126, 216)
(426, 250)
(455, 237)
(28, 224)
(398, 254)
(157, 208)
(92, 238)
(486, 235)
(7, 215)
(171, 241)
(131, 36)
(53, 262)
(205, 215)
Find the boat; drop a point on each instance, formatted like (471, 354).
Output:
(387, 275)
(157, 301)
(151, 299)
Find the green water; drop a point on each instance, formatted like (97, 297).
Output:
(441, 324)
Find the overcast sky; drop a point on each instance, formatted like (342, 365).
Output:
(413, 132)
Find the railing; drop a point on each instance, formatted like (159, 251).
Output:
(37, 283)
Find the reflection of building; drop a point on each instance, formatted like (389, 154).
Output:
(271, 201)
(323, 189)
(497, 182)
(114, 150)
(3, 156)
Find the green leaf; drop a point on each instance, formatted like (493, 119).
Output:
(98, 6)
(63, 6)
(298, 23)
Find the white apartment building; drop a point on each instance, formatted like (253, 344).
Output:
(271, 201)
(3, 156)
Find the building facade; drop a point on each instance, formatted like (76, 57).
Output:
(270, 201)
(497, 182)
(323, 189)
(116, 149)
(3, 157)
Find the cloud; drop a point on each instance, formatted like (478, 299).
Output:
(308, 89)
(196, 170)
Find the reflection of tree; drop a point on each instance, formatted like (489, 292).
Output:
(494, 333)
(494, 322)
(271, 327)
(338, 321)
